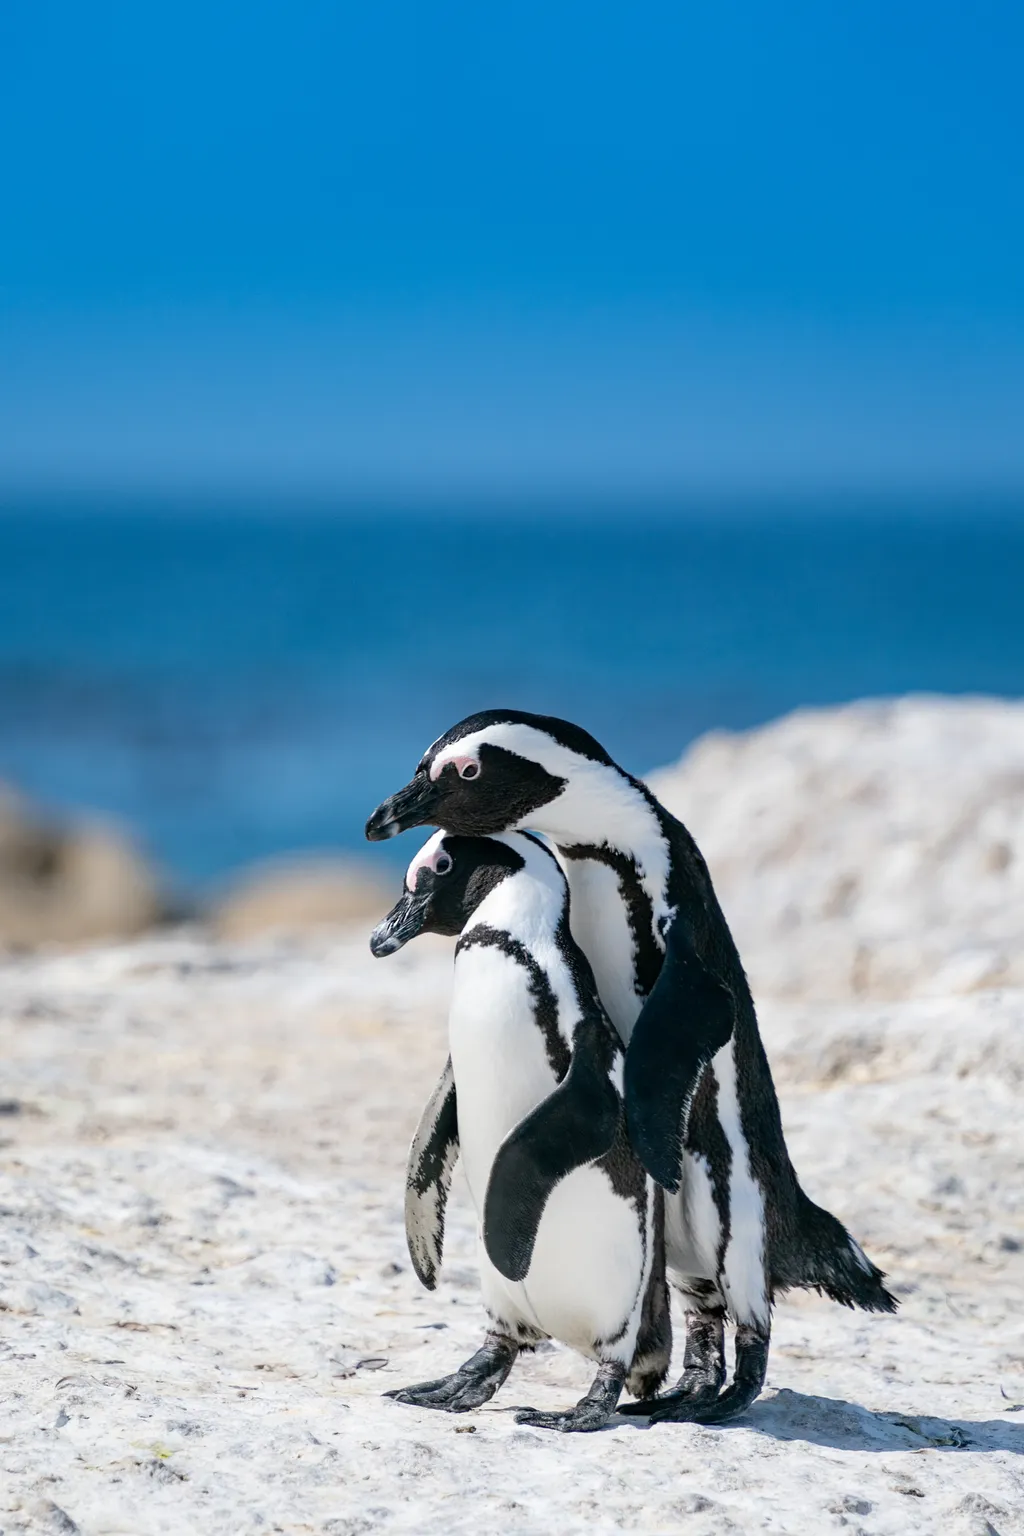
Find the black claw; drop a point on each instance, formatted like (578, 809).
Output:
(472, 1385)
(684, 1404)
(734, 1401)
(574, 1421)
(590, 1413)
(703, 1366)
(677, 1407)
(703, 1404)
(456, 1395)
(678, 1413)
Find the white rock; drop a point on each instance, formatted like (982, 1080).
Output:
(204, 1288)
(207, 1290)
(875, 850)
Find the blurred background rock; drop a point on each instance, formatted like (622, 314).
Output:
(301, 894)
(69, 883)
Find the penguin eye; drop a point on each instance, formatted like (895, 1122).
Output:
(442, 864)
(469, 770)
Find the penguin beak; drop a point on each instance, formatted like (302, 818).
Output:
(405, 920)
(414, 806)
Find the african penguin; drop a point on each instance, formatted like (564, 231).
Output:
(700, 1102)
(571, 1228)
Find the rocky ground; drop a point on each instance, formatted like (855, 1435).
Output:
(204, 1287)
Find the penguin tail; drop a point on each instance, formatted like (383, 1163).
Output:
(834, 1264)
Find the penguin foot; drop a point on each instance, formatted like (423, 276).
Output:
(583, 1419)
(751, 1367)
(693, 1393)
(703, 1371)
(590, 1413)
(472, 1385)
(736, 1398)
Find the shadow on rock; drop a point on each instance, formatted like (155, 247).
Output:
(846, 1426)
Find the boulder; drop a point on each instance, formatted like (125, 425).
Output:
(292, 895)
(873, 850)
(69, 883)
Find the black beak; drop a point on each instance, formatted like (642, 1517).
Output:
(413, 806)
(403, 922)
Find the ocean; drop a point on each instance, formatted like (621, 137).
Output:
(233, 686)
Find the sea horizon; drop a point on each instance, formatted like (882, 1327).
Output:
(237, 681)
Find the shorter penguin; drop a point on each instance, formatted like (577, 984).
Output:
(571, 1228)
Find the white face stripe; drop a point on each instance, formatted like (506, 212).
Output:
(526, 740)
(597, 805)
(424, 859)
(539, 860)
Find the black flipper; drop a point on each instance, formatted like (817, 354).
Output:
(575, 1125)
(684, 1023)
(432, 1158)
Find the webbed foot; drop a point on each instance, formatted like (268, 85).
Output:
(703, 1370)
(679, 1407)
(472, 1385)
(683, 1404)
(590, 1413)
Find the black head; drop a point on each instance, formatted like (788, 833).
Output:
(487, 774)
(444, 885)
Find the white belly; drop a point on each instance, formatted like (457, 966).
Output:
(588, 1272)
(600, 926)
(588, 1268)
(499, 1058)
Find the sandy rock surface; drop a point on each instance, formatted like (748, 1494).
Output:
(204, 1287)
(871, 851)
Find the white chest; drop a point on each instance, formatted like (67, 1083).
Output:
(499, 1057)
(600, 926)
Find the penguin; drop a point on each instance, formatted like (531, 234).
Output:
(701, 1107)
(571, 1227)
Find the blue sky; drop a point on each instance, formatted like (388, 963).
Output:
(501, 247)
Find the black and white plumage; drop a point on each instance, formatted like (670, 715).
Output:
(700, 1103)
(571, 1226)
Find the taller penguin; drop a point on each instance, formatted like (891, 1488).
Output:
(700, 1102)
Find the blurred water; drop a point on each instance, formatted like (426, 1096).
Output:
(234, 686)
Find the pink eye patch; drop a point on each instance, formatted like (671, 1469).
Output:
(467, 767)
(433, 857)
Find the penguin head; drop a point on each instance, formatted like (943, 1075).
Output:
(490, 773)
(444, 885)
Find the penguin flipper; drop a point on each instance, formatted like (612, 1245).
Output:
(685, 1021)
(432, 1158)
(577, 1123)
